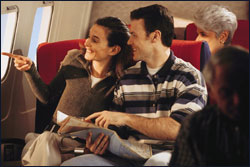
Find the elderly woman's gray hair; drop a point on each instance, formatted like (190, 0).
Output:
(216, 18)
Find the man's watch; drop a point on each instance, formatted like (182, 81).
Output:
(81, 150)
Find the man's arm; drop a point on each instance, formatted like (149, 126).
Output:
(164, 128)
(191, 97)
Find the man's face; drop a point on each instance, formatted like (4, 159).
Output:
(223, 94)
(140, 42)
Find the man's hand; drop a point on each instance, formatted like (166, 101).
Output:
(99, 146)
(21, 63)
(106, 118)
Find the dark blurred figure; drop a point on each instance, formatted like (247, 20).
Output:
(219, 135)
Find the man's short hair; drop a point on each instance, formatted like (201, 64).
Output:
(156, 17)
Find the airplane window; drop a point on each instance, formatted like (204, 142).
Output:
(8, 26)
(40, 30)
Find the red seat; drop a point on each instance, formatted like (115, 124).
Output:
(49, 56)
(241, 35)
(190, 32)
(195, 52)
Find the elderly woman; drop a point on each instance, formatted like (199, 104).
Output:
(216, 25)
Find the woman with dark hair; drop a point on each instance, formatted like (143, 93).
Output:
(86, 78)
(95, 69)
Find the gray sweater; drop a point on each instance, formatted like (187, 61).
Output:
(73, 85)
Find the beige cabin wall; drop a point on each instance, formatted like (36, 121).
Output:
(181, 10)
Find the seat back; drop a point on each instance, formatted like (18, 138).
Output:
(190, 32)
(49, 56)
(241, 35)
(195, 52)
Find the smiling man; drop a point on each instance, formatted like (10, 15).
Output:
(160, 90)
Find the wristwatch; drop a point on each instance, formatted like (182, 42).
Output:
(81, 150)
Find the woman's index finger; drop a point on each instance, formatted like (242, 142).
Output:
(11, 55)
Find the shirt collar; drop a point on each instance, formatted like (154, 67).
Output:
(165, 68)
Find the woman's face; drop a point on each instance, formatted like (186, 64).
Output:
(96, 45)
(210, 37)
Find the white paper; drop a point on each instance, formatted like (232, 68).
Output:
(61, 116)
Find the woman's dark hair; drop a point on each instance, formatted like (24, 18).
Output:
(118, 35)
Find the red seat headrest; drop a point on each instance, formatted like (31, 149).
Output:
(195, 52)
(49, 55)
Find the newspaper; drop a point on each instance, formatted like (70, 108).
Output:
(130, 148)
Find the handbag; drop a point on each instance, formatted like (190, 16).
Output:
(50, 149)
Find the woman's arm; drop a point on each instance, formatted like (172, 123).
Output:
(42, 91)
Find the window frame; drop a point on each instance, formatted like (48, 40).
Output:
(7, 10)
(44, 4)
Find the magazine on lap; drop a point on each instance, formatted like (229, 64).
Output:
(130, 148)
